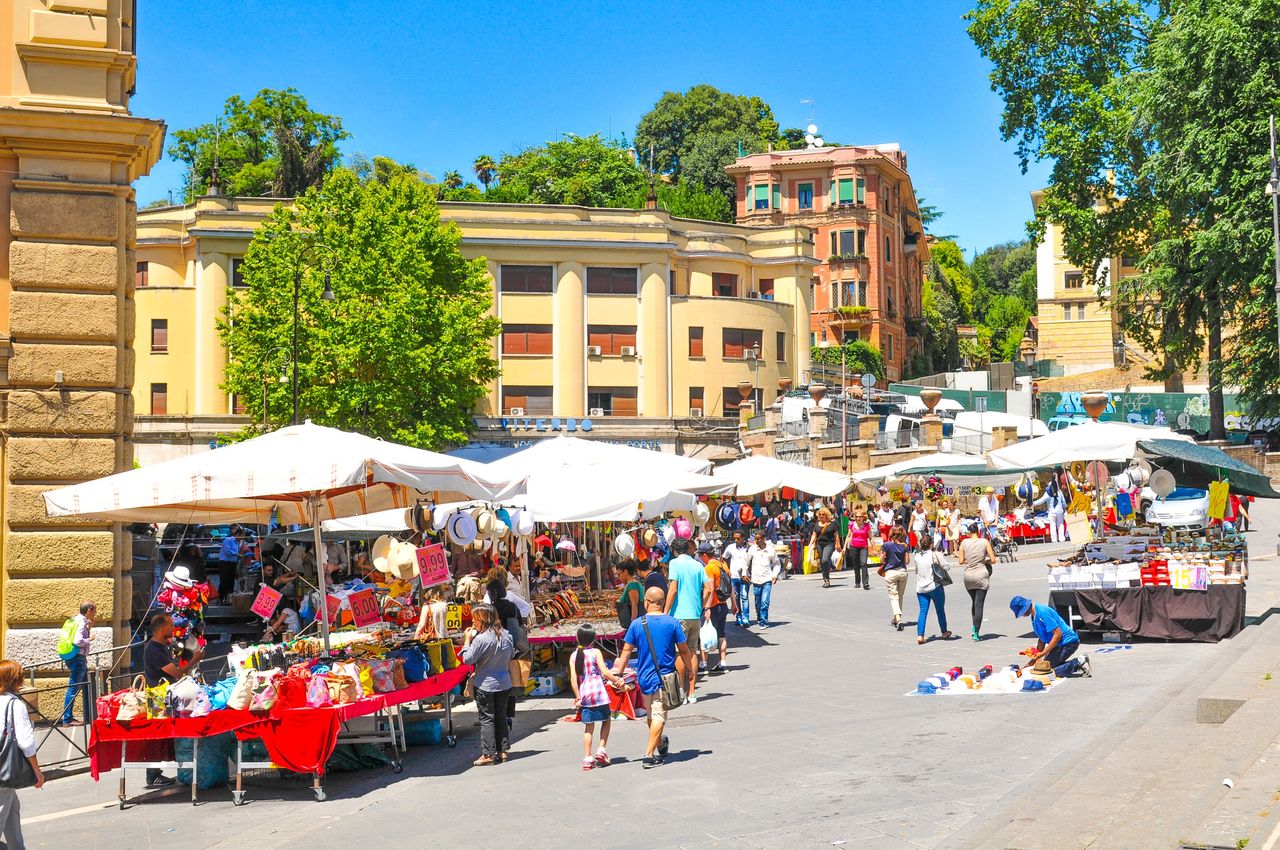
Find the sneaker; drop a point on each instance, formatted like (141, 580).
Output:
(602, 759)
(651, 761)
(162, 782)
(690, 700)
(588, 764)
(976, 636)
(1086, 668)
(664, 746)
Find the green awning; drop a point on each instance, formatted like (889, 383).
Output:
(1196, 466)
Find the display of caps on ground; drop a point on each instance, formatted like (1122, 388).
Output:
(926, 687)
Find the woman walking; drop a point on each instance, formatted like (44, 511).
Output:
(17, 722)
(919, 526)
(977, 557)
(893, 569)
(928, 591)
(825, 542)
(856, 544)
(952, 511)
(488, 648)
(884, 519)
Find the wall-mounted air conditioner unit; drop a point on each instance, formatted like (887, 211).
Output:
(596, 411)
(627, 351)
(753, 294)
(593, 351)
(696, 413)
(517, 411)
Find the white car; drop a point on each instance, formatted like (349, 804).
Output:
(1185, 507)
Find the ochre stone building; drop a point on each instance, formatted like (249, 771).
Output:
(69, 151)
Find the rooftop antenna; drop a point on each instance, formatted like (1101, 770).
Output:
(811, 138)
(651, 202)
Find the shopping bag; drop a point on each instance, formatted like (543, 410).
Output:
(133, 702)
(342, 689)
(318, 692)
(382, 676)
(242, 694)
(264, 690)
(520, 670)
(435, 659)
(416, 665)
(157, 701)
(707, 637)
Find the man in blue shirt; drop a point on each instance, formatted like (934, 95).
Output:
(665, 636)
(1057, 641)
(688, 597)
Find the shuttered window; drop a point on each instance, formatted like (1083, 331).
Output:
(159, 399)
(608, 281)
(695, 342)
(159, 336)
(535, 401)
(611, 338)
(526, 339)
(738, 340)
(695, 400)
(613, 401)
(525, 278)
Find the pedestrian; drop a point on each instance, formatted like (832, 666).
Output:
(650, 575)
(158, 667)
(989, 510)
(512, 620)
(928, 591)
(737, 554)
(229, 561)
(902, 514)
(856, 548)
(488, 648)
(73, 648)
(722, 597)
(1056, 641)
(977, 557)
(766, 569)
(824, 543)
(919, 526)
(893, 569)
(884, 520)
(590, 696)
(17, 722)
(657, 640)
(953, 526)
(688, 598)
(1055, 503)
(629, 603)
(771, 529)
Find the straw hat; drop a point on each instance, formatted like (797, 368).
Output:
(181, 576)
(403, 561)
(486, 520)
(701, 513)
(524, 524)
(1041, 671)
(417, 518)
(461, 528)
(649, 537)
(380, 553)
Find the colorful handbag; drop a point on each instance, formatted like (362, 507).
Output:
(342, 689)
(381, 675)
(133, 701)
(182, 696)
(352, 671)
(318, 692)
(157, 701)
(200, 705)
(264, 690)
(416, 665)
(397, 673)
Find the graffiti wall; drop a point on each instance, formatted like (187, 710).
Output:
(1174, 410)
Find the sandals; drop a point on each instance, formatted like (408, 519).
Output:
(945, 636)
(483, 761)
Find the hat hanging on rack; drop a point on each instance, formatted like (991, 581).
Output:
(668, 534)
(624, 545)
(461, 528)
(683, 528)
(649, 537)
(524, 524)
(701, 513)
(380, 553)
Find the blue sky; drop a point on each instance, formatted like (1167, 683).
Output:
(437, 83)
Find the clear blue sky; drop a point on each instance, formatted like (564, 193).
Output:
(436, 83)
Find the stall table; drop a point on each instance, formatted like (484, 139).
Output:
(1160, 612)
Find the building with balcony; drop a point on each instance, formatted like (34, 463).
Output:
(868, 239)
(626, 325)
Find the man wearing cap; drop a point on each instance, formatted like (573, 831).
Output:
(688, 597)
(764, 572)
(1057, 641)
(738, 555)
(719, 606)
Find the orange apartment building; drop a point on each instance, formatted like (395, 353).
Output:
(867, 233)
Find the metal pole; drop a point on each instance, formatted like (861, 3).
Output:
(313, 513)
(1275, 213)
(844, 410)
(297, 288)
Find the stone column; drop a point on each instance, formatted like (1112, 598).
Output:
(212, 273)
(654, 342)
(868, 426)
(931, 431)
(569, 342)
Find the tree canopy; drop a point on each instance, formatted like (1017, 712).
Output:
(586, 170)
(272, 145)
(404, 351)
(859, 357)
(675, 123)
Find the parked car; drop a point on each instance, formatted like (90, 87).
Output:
(1185, 507)
(1057, 423)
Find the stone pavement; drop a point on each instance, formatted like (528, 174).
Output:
(807, 741)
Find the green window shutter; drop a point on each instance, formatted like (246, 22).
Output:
(777, 197)
(762, 193)
(862, 191)
(833, 243)
(846, 191)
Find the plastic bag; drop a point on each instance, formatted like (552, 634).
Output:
(708, 638)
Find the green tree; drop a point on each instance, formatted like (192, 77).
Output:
(859, 356)
(273, 144)
(586, 170)
(452, 180)
(940, 346)
(707, 156)
(1006, 320)
(1003, 269)
(684, 200)
(381, 169)
(678, 118)
(953, 272)
(403, 351)
(486, 169)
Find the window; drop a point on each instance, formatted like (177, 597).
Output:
(525, 278)
(526, 339)
(614, 401)
(1066, 312)
(724, 285)
(159, 399)
(695, 342)
(732, 398)
(862, 243)
(695, 401)
(782, 347)
(888, 346)
(141, 273)
(893, 309)
(762, 197)
(1128, 262)
(766, 288)
(862, 191)
(602, 281)
(862, 293)
(1073, 280)
(1080, 311)
(738, 340)
(842, 242)
(611, 338)
(159, 336)
(888, 250)
(845, 195)
(804, 196)
(534, 401)
(776, 193)
(237, 273)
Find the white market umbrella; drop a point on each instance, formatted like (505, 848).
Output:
(301, 473)
(757, 474)
(909, 470)
(1089, 441)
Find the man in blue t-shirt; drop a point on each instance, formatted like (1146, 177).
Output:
(666, 637)
(688, 597)
(1057, 641)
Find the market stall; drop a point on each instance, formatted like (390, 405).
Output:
(757, 474)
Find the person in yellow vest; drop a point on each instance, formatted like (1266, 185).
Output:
(73, 648)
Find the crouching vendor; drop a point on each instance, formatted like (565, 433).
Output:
(1057, 641)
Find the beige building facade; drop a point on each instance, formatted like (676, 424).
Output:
(630, 325)
(69, 152)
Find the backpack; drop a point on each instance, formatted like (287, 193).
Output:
(67, 639)
(724, 587)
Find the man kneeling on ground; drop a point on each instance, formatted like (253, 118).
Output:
(657, 640)
(1057, 641)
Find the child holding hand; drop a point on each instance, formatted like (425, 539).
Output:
(590, 697)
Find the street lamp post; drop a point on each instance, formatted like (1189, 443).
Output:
(1028, 347)
(326, 295)
(1273, 189)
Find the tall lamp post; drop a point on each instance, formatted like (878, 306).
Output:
(757, 394)
(1028, 347)
(326, 295)
(1273, 189)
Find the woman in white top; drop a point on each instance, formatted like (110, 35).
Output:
(929, 592)
(11, 705)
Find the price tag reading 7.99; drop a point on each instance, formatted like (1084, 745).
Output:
(364, 608)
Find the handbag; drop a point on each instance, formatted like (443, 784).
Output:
(183, 696)
(382, 674)
(158, 701)
(670, 687)
(242, 694)
(264, 690)
(318, 692)
(15, 769)
(941, 577)
(520, 670)
(342, 689)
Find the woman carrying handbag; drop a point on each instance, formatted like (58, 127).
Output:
(825, 542)
(931, 581)
(18, 766)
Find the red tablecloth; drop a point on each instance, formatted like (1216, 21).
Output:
(298, 739)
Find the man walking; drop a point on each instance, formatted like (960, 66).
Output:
(721, 597)
(657, 641)
(688, 598)
(73, 647)
(158, 666)
(765, 568)
(737, 554)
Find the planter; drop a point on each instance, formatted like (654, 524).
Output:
(744, 389)
(930, 398)
(784, 385)
(817, 391)
(1094, 403)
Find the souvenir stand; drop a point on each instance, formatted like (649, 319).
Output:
(274, 477)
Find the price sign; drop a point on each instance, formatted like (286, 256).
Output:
(335, 607)
(433, 567)
(364, 608)
(265, 603)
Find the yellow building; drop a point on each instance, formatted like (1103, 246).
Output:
(69, 152)
(629, 323)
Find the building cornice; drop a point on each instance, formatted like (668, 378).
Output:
(41, 135)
